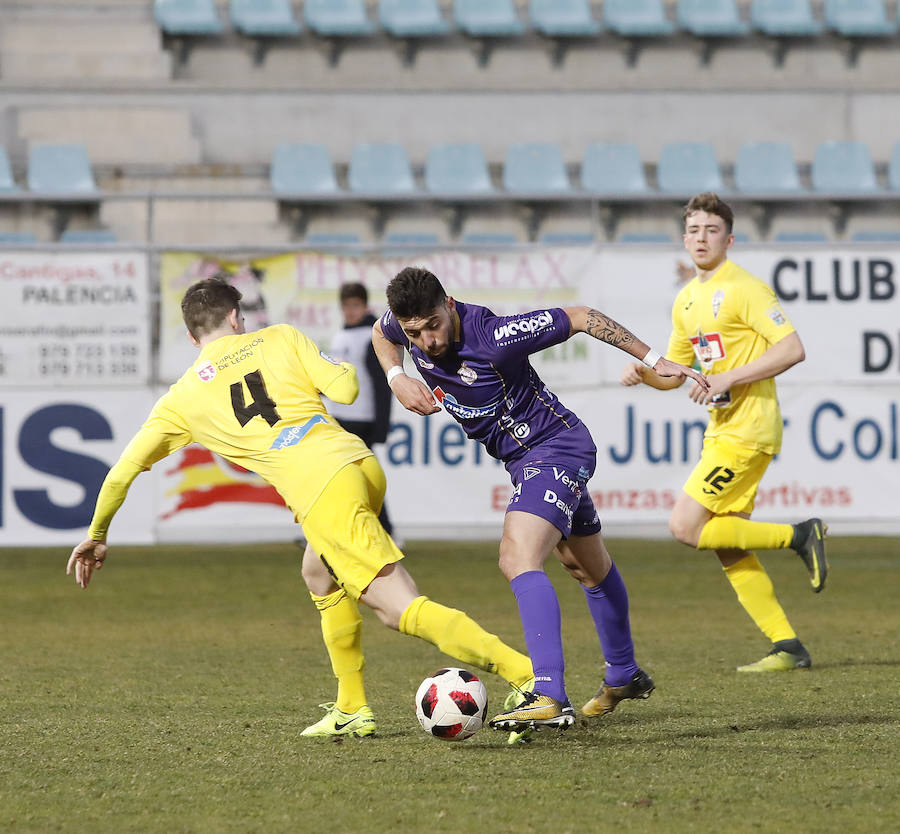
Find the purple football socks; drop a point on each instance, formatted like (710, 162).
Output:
(542, 622)
(608, 604)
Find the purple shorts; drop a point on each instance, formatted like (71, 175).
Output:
(556, 493)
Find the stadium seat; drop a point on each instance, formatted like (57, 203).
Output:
(859, 18)
(563, 18)
(613, 169)
(87, 236)
(784, 18)
(894, 168)
(17, 238)
(637, 18)
(60, 169)
(688, 167)
(876, 237)
(567, 239)
(766, 167)
(411, 239)
(801, 237)
(264, 18)
(380, 169)
(711, 18)
(487, 18)
(533, 168)
(187, 17)
(843, 166)
(412, 18)
(327, 239)
(338, 18)
(645, 237)
(302, 169)
(490, 239)
(7, 183)
(457, 169)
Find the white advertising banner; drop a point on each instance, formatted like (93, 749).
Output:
(74, 319)
(56, 448)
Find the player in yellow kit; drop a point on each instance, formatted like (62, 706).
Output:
(732, 323)
(255, 399)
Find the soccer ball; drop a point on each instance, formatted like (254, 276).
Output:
(451, 704)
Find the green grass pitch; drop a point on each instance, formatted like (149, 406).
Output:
(169, 696)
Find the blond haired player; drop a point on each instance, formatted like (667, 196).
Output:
(732, 323)
(255, 399)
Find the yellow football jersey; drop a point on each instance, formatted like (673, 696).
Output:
(725, 322)
(255, 400)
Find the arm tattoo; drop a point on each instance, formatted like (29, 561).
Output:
(606, 330)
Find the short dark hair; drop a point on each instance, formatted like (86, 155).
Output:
(414, 293)
(354, 290)
(711, 203)
(207, 303)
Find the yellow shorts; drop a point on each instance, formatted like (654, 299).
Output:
(342, 526)
(727, 476)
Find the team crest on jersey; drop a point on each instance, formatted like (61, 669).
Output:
(776, 315)
(708, 348)
(529, 472)
(207, 372)
(467, 374)
(425, 364)
(521, 431)
(717, 299)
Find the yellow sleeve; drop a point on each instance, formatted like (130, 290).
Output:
(336, 380)
(679, 348)
(162, 434)
(764, 314)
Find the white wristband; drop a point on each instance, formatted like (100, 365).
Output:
(394, 372)
(649, 360)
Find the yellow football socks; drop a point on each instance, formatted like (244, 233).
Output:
(755, 592)
(342, 632)
(726, 532)
(458, 635)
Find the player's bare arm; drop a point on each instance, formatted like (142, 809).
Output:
(776, 360)
(602, 327)
(637, 374)
(412, 393)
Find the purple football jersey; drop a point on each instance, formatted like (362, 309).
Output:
(487, 384)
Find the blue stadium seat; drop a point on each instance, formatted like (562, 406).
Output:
(859, 18)
(645, 237)
(688, 167)
(610, 168)
(411, 239)
(412, 18)
(535, 168)
(637, 18)
(766, 167)
(568, 239)
(457, 169)
(801, 237)
(187, 17)
(490, 239)
(711, 18)
(17, 238)
(302, 169)
(563, 18)
(740, 237)
(894, 168)
(326, 239)
(7, 183)
(843, 166)
(60, 169)
(338, 18)
(87, 236)
(264, 18)
(876, 237)
(380, 169)
(787, 18)
(487, 18)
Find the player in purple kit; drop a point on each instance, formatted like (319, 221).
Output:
(476, 366)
